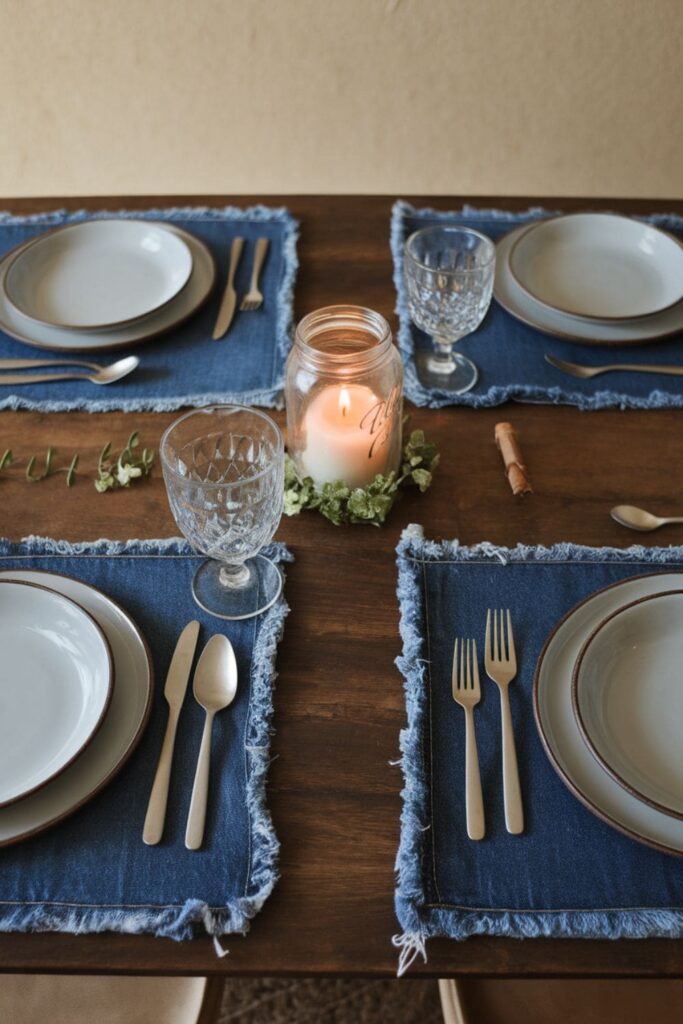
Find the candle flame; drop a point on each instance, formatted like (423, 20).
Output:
(344, 401)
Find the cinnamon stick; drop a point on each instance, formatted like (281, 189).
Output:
(515, 470)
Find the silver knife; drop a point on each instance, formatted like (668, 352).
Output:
(229, 300)
(174, 692)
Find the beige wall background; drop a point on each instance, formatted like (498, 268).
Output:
(550, 97)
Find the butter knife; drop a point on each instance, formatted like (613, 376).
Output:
(174, 692)
(229, 300)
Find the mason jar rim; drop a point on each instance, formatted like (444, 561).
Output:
(207, 409)
(491, 245)
(327, 317)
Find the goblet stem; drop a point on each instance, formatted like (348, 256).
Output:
(234, 577)
(441, 360)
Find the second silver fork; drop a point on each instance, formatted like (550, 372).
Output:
(467, 693)
(500, 661)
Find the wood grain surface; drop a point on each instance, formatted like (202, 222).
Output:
(339, 703)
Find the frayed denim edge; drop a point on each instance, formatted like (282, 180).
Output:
(418, 921)
(438, 399)
(270, 397)
(180, 922)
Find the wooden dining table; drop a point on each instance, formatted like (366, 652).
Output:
(333, 790)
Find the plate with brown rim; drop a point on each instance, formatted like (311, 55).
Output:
(121, 729)
(627, 693)
(59, 339)
(559, 731)
(56, 682)
(528, 310)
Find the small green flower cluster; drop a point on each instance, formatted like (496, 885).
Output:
(121, 472)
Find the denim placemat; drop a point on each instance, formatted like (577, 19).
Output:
(569, 874)
(92, 872)
(509, 354)
(184, 367)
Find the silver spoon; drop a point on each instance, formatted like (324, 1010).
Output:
(214, 688)
(103, 375)
(639, 519)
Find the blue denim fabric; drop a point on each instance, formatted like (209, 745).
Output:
(569, 874)
(92, 872)
(509, 354)
(185, 367)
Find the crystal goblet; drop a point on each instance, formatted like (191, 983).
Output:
(449, 279)
(223, 468)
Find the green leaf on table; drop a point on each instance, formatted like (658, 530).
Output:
(370, 504)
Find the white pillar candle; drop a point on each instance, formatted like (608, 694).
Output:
(343, 441)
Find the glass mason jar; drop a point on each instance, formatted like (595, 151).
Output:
(344, 397)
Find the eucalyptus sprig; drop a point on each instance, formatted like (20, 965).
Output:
(370, 504)
(113, 473)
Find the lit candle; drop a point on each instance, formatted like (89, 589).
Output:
(346, 437)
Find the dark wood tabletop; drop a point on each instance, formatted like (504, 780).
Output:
(339, 701)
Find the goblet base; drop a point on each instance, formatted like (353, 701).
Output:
(259, 591)
(457, 375)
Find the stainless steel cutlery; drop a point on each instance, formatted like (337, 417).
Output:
(214, 688)
(639, 519)
(174, 692)
(253, 299)
(500, 661)
(229, 301)
(102, 375)
(586, 372)
(467, 693)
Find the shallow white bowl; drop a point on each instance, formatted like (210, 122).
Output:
(530, 311)
(599, 265)
(55, 685)
(122, 726)
(99, 274)
(169, 317)
(628, 698)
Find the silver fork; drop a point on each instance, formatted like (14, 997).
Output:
(501, 668)
(467, 693)
(586, 372)
(254, 299)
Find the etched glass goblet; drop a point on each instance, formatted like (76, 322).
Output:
(449, 279)
(223, 468)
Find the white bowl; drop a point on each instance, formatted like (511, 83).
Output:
(599, 266)
(628, 698)
(99, 274)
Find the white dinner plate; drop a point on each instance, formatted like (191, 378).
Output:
(98, 274)
(55, 685)
(123, 723)
(559, 730)
(588, 332)
(628, 698)
(599, 265)
(173, 314)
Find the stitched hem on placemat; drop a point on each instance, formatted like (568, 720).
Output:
(436, 398)
(270, 396)
(182, 921)
(419, 920)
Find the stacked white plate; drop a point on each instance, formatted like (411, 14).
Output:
(597, 278)
(103, 284)
(608, 699)
(75, 695)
